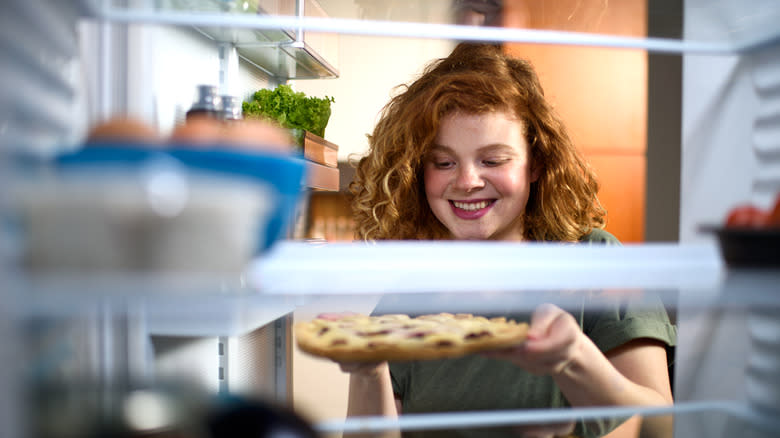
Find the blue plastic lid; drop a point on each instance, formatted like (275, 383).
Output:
(285, 174)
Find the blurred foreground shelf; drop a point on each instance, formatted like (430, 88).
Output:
(483, 277)
(192, 305)
(460, 266)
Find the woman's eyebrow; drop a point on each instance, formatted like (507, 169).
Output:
(496, 147)
(486, 148)
(441, 148)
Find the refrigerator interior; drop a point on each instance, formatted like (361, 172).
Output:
(69, 64)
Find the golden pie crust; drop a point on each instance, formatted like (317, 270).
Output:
(363, 338)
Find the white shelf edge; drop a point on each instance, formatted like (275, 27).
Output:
(299, 268)
(432, 30)
(172, 305)
(224, 316)
(455, 420)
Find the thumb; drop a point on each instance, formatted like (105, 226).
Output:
(542, 318)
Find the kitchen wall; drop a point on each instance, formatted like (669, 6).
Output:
(370, 68)
(152, 72)
(183, 59)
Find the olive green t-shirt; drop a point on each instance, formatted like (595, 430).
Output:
(474, 383)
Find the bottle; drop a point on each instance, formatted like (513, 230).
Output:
(207, 103)
(231, 108)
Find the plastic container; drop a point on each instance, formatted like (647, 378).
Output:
(748, 247)
(132, 209)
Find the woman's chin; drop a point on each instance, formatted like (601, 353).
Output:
(472, 235)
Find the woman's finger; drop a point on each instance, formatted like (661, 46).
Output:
(367, 368)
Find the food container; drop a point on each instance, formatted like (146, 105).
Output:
(746, 247)
(133, 209)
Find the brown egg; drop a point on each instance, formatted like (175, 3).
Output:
(124, 129)
(198, 131)
(258, 135)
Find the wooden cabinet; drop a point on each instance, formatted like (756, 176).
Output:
(322, 162)
(601, 94)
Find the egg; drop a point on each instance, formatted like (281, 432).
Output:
(123, 129)
(198, 131)
(258, 135)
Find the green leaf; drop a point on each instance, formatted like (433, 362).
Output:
(291, 109)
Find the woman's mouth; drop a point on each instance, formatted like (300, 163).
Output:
(471, 209)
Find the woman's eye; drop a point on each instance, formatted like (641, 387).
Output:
(494, 162)
(443, 164)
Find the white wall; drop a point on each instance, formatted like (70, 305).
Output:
(370, 67)
(183, 59)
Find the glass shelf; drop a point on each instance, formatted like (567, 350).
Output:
(707, 418)
(171, 305)
(456, 266)
(281, 49)
(423, 277)
(732, 26)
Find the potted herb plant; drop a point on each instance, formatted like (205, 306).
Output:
(292, 110)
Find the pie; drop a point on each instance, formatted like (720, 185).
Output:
(363, 338)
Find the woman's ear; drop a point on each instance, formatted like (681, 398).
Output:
(536, 172)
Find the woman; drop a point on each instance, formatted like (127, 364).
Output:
(472, 150)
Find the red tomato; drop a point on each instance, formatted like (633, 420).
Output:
(746, 216)
(773, 219)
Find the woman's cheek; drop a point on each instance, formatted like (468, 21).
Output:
(435, 182)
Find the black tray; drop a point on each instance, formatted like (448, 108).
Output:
(748, 247)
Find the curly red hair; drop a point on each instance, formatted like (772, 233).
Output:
(388, 195)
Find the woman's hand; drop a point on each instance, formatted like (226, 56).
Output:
(553, 340)
(370, 390)
(545, 430)
(364, 369)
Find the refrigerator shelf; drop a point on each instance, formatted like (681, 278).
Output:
(733, 413)
(191, 305)
(280, 49)
(742, 31)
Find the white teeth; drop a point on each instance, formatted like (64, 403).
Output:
(470, 206)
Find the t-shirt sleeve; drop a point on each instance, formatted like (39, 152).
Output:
(623, 322)
(626, 321)
(399, 377)
(600, 237)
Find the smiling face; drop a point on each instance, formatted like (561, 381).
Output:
(478, 176)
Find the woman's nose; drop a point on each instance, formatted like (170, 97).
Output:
(468, 178)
